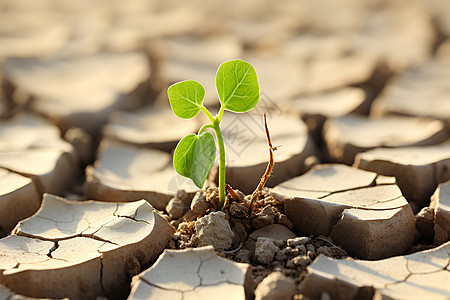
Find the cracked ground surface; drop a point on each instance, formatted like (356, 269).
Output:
(418, 170)
(84, 243)
(123, 172)
(192, 274)
(364, 212)
(37, 162)
(330, 64)
(422, 275)
(346, 136)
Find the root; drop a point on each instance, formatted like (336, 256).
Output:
(269, 168)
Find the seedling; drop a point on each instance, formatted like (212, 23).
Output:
(238, 90)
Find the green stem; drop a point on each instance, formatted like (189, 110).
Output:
(207, 113)
(204, 127)
(216, 127)
(220, 114)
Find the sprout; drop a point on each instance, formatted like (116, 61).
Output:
(238, 90)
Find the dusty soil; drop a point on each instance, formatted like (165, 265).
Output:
(289, 256)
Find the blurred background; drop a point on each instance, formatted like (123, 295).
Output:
(77, 61)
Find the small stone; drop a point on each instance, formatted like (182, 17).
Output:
(425, 222)
(213, 229)
(280, 255)
(325, 251)
(199, 204)
(264, 217)
(299, 261)
(240, 234)
(311, 251)
(284, 220)
(311, 255)
(238, 209)
(243, 256)
(288, 251)
(184, 196)
(265, 250)
(301, 240)
(276, 286)
(310, 247)
(176, 208)
(301, 249)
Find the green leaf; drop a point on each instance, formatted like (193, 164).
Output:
(185, 98)
(194, 157)
(237, 85)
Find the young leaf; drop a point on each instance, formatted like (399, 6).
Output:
(237, 85)
(185, 98)
(194, 157)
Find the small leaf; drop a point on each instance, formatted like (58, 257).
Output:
(237, 85)
(185, 98)
(194, 157)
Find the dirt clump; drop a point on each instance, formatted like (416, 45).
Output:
(256, 232)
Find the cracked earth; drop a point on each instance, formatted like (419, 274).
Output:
(356, 95)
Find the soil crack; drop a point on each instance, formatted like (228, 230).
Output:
(55, 240)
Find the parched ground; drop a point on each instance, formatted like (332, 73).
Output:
(357, 99)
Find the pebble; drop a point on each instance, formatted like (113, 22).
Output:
(199, 204)
(264, 217)
(325, 251)
(213, 229)
(289, 251)
(301, 249)
(301, 240)
(310, 248)
(176, 208)
(184, 196)
(265, 250)
(299, 261)
(276, 286)
(243, 256)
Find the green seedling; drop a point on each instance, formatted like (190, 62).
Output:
(238, 91)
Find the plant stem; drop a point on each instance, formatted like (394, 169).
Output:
(207, 113)
(216, 127)
(204, 127)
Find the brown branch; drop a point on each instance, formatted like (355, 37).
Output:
(269, 168)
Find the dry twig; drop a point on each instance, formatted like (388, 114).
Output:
(269, 168)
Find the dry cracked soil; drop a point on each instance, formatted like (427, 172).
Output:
(356, 95)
